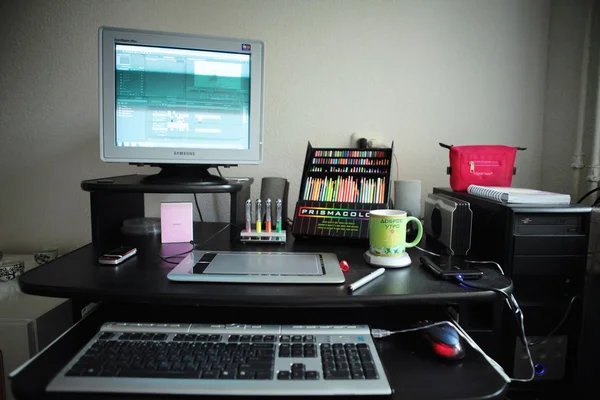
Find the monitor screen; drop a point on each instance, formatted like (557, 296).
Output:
(168, 98)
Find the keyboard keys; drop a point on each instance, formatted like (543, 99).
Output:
(245, 338)
(214, 338)
(228, 374)
(263, 375)
(234, 338)
(298, 374)
(285, 338)
(357, 374)
(210, 375)
(245, 375)
(311, 375)
(284, 375)
(344, 374)
(91, 371)
(144, 373)
(297, 338)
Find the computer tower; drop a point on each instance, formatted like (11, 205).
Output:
(543, 249)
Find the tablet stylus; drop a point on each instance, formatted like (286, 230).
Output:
(366, 279)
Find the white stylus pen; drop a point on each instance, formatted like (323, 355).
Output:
(365, 279)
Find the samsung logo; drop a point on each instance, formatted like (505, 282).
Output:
(184, 153)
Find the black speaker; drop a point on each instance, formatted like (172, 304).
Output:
(275, 188)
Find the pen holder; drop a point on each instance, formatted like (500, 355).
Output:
(263, 237)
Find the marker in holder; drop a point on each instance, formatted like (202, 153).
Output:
(257, 235)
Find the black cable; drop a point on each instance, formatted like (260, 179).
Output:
(166, 258)
(219, 171)
(557, 327)
(585, 196)
(461, 282)
(198, 208)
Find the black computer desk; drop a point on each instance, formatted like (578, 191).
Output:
(138, 291)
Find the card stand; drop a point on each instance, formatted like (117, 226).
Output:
(330, 174)
(263, 237)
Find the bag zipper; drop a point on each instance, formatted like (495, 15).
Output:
(482, 162)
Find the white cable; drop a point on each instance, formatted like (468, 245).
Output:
(381, 333)
(522, 327)
(427, 251)
(474, 344)
(512, 305)
(468, 261)
(487, 262)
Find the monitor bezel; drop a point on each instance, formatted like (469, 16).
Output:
(110, 152)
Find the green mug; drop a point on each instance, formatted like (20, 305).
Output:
(387, 232)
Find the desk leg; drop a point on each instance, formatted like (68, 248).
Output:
(237, 212)
(108, 210)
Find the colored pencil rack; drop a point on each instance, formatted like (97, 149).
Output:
(338, 189)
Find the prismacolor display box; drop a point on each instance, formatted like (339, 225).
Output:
(339, 188)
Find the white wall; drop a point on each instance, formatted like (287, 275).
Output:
(565, 55)
(418, 72)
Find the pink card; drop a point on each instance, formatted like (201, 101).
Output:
(176, 222)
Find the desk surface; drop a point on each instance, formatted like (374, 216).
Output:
(142, 279)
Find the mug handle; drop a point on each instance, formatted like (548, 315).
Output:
(419, 232)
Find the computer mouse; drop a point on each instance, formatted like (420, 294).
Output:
(445, 342)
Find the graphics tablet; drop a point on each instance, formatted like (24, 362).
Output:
(258, 267)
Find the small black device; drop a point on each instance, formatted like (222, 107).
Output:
(448, 222)
(118, 255)
(451, 268)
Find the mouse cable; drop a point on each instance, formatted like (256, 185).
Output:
(380, 333)
(198, 208)
(558, 326)
(513, 305)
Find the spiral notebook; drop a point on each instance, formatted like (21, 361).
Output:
(518, 195)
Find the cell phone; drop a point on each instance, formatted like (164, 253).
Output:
(451, 269)
(118, 255)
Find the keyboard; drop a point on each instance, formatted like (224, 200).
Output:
(233, 359)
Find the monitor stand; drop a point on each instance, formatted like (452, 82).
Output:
(184, 175)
